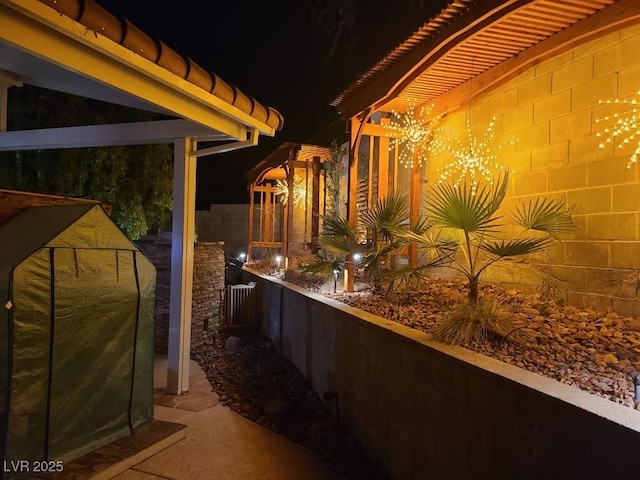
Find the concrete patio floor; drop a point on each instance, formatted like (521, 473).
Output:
(220, 444)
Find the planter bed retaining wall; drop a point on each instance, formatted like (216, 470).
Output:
(426, 410)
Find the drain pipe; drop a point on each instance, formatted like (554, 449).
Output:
(280, 326)
(635, 376)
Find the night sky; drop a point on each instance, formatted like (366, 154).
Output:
(293, 55)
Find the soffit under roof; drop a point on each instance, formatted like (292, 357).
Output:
(467, 38)
(89, 31)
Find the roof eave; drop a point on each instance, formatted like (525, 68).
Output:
(42, 31)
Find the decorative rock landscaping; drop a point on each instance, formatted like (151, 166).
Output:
(596, 351)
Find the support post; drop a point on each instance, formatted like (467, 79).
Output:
(315, 204)
(250, 233)
(352, 196)
(291, 179)
(4, 101)
(414, 207)
(383, 164)
(6, 80)
(183, 226)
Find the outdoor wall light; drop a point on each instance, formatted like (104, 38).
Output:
(278, 260)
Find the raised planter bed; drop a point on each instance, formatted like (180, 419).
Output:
(432, 411)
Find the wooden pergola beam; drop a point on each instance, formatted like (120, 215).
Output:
(393, 81)
(622, 14)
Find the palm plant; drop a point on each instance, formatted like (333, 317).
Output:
(381, 225)
(469, 217)
(380, 234)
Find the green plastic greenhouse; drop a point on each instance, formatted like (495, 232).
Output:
(76, 333)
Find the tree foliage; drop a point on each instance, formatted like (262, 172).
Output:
(136, 180)
(334, 170)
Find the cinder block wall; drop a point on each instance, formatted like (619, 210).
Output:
(428, 411)
(552, 111)
(159, 252)
(225, 223)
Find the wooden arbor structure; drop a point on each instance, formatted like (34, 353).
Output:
(287, 194)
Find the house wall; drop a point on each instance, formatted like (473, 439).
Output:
(301, 232)
(426, 410)
(551, 111)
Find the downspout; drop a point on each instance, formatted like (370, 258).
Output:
(185, 154)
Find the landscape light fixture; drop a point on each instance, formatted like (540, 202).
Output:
(335, 281)
(278, 261)
(242, 256)
(356, 257)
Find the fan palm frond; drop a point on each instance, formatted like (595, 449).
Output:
(324, 266)
(544, 215)
(463, 207)
(516, 247)
(338, 236)
(387, 216)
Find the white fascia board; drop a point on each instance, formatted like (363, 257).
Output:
(41, 31)
(138, 133)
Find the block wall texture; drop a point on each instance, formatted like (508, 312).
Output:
(551, 111)
(429, 411)
(225, 223)
(208, 289)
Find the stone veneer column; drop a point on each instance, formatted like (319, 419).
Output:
(208, 288)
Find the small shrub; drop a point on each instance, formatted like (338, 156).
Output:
(476, 322)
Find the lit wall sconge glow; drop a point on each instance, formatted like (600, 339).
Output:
(356, 257)
(413, 130)
(621, 128)
(278, 260)
(477, 158)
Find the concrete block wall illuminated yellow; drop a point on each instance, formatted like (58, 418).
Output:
(551, 109)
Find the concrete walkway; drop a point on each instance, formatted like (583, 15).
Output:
(220, 444)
